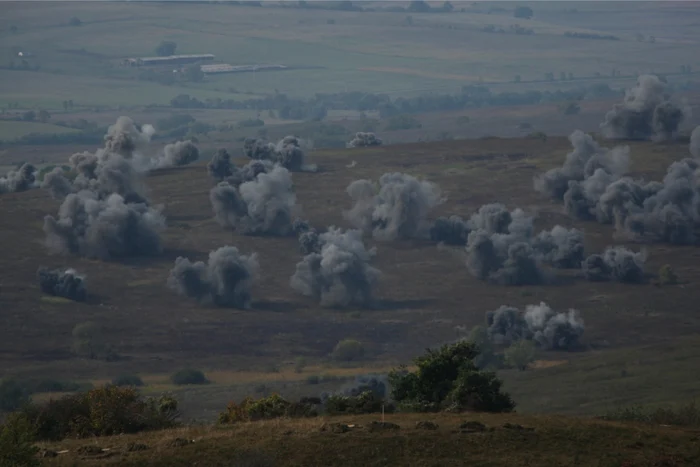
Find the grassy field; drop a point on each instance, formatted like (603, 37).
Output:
(544, 441)
(634, 333)
(10, 130)
(333, 50)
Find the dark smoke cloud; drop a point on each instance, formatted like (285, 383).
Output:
(397, 210)
(562, 248)
(220, 165)
(616, 264)
(103, 228)
(264, 206)
(451, 230)
(646, 112)
(124, 137)
(695, 142)
(176, 154)
(362, 139)
(67, 284)
(56, 183)
(340, 274)
(225, 280)
(548, 329)
(18, 180)
(287, 152)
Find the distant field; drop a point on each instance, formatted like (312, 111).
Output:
(10, 130)
(364, 51)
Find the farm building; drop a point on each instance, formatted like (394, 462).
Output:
(226, 68)
(169, 60)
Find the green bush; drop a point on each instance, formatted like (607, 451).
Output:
(448, 379)
(103, 411)
(128, 380)
(16, 442)
(520, 354)
(667, 276)
(265, 408)
(365, 402)
(189, 376)
(348, 350)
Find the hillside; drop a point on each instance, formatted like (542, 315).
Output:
(424, 295)
(508, 440)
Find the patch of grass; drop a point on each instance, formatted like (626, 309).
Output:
(56, 300)
(11, 130)
(680, 415)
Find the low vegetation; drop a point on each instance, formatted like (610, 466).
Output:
(189, 376)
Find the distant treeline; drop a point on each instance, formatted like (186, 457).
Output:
(587, 35)
(315, 108)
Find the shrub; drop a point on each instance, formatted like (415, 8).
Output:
(520, 354)
(127, 380)
(348, 350)
(189, 376)
(667, 276)
(448, 379)
(265, 408)
(16, 442)
(365, 402)
(313, 379)
(13, 395)
(100, 412)
(251, 122)
(54, 385)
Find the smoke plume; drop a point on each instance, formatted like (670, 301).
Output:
(264, 206)
(398, 210)
(124, 137)
(18, 180)
(176, 154)
(646, 112)
(362, 139)
(220, 165)
(67, 284)
(287, 152)
(340, 274)
(103, 228)
(695, 142)
(616, 264)
(225, 280)
(539, 323)
(56, 183)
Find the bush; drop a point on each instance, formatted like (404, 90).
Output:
(348, 350)
(16, 442)
(448, 379)
(128, 380)
(166, 48)
(189, 376)
(265, 408)
(365, 402)
(54, 385)
(104, 411)
(13, 395)
(520, 354)
(313, 379)
(251, 122)
(667, 276)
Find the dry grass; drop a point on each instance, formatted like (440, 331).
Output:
(552, 441)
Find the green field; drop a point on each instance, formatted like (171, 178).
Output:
(10, 130)
(364, 51)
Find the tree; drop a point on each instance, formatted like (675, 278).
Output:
(44, 116)
(75, 21)
(447, 6)
(517, 78)
(194, 73)
(70, 104)
(419, 6)
(65, 105)
(520, 354)
(562, 76)
(166, 48)
(523, 12)
(448, 379)
(348, 350)
(549, 76)
(12, 395)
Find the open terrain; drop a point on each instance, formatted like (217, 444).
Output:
(633, 332)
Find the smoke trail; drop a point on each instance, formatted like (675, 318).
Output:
(646, 112)
(226, 279)
(103, 228)
(264, 206)
(67, 284)
(340, 274)
(398, 210)
(362, 139)
(617, 264)
(548, 329)
(18, 180)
